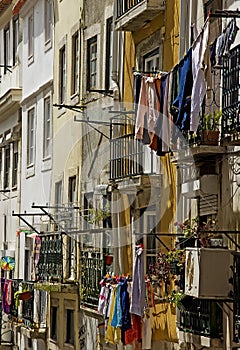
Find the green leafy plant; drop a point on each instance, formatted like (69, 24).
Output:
(176, 297)
(211, 121)
(97, 215)
(189, 227)
(177, 256)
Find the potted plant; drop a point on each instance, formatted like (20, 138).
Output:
(176, 260)
(211, 128)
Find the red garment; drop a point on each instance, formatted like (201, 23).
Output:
(135, 333)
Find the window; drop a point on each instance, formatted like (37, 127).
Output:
(58, 193)
(30, 137)
(53, 322)
(7, 167)
(109, 51)
(15, 164)
(88, 205)
(6, 49)
(151, 61)
(75, 63)
(15, 40)
(47, 128)
(147, 225)
(48, 20)
(92, 63)
(72, 193)
(30, 36)
(70, 327)
(62, 74)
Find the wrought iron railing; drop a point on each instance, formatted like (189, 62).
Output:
(236, 297)
(92, 271)
(231, 91)
(14, 305)
(50, 264)
(128, 156)
(202, 317)
(123, 6)
(28, 304)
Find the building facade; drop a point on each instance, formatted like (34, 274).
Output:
(103, 155)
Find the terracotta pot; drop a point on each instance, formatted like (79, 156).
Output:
(210, 137)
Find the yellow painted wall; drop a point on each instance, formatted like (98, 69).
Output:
(169, 19)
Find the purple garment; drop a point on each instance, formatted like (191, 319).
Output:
(138, 288)
(7, 296)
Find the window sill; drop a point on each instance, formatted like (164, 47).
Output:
(30, 171)
(46, 164)
(30, 60)
(74, 98)
(48, 45)
(61, 111)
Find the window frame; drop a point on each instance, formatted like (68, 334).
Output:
(75, 63)
(6, 40)
(151, 56)
(92, 46)
(109, 53)
(54, 310)
(30, 37)
(15, 39)
(7, 166)
(47, 128)
(58, 189)
(47, 22)
(70, 324)
(62, 74)
(31, 136)
(15, 158)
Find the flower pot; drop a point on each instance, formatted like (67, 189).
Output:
(210, 137)
(215, 242)
(108, 259)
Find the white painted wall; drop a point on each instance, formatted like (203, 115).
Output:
(37, 84)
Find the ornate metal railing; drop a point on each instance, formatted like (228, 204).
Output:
(126, 153)
(202, 317)
(123, 6)
(50, 264)
(231, 91)
(236, 298)
(28, 304)
(92, 271)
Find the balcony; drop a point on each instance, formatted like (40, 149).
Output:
(28, 304)
(50, 264)
(201, 318)
(92, 271)
(131, 15)
(236, 299)
(231, 93)
(128, 156)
